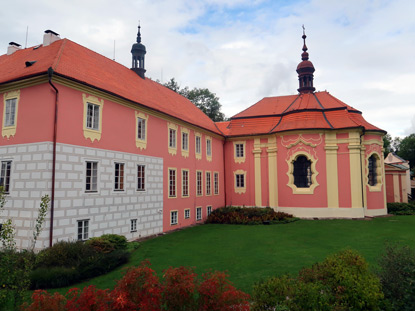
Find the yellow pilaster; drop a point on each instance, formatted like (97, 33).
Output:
(364, 173)
(355, 169)
(257, 158)
(272, 172)
(332, 171)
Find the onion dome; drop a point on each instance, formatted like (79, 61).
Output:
(305, 71)
(138, 51)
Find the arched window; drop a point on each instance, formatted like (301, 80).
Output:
(372, 176)
(302, 172)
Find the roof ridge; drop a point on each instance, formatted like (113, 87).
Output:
(324, 115)
(59, 54)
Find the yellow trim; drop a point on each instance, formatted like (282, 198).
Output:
(168, 182)
(198, 154)
(177, 217)
(206, 183)
(312, 142)
(331, 170)
(272, 171)
(396, 194)
(379, 179)
(209, 157)
(239, 190)
(214, 183)
(141, 143)
(185, 153)
(91, 133)
(188, 183)
(8, 131)
(239, 159)
(290, 173)
(172, 126)
(11, 86)
(373, 142)
(404, 192)
(201, 183)
(257, 164)
(355, 169)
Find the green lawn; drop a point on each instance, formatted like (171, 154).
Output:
(253, 253)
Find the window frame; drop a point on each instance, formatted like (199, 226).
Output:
(290, 173)
(141, 180)
(91, 176)
(208, 183)
(237, 156)
(172, 138)
(187, 213)
(185, 135)
(208, 210)
(185, 183)
(174, 217)
(119, 186)
(133, 225)
(5, 175)
(199, 183)
(238, 176)
(199, 215)
(209, 148)
(172, 183)
(81, 225)
(377, 170)
(216, 183)
(198, 146)
(141, 121)
(9, 129)
(91, 132)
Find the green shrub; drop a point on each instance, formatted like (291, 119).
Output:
(341, 282)
(397, 276)
(248, 216)
(401, 208)
(119, 241)
(101, 245)
(53, 277)
(64, 254)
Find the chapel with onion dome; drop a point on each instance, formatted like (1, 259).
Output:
(308, 154)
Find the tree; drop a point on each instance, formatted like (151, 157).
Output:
(407, 150)
(387, 143)
(202, 98)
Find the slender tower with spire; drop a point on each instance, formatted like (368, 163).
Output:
(138, 51)
(305, 71)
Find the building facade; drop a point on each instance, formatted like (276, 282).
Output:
(120, 153)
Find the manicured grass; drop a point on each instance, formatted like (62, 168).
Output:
(254, 253)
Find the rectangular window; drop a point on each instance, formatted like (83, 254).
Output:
(208, 147)
(208, 210)
(185, 141)
(5, 175)
(141, 128)
(10, 114)
(198, 145)
(239, 150)
(172, 183)
(133, 225)
(83, 230)
(185, 183)
(141, 177)
(199, 190)
(173, 218)
(208, 183)
(119, 177)
(91, 181)
(186, 213)
(92, 117)
(240, 181)
(198, 213)
(172, 138)
(216, 182)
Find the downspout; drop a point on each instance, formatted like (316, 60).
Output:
(361, 170)
(55, 127)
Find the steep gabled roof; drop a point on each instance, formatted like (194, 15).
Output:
(73, 61)
(304, 111)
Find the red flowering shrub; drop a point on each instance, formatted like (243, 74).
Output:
(217, 293)
(179, 289)
(139, 289)
(90, 298)
(44, 301)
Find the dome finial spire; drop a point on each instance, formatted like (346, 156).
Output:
(305, 70)
(139, 33)
(138, 52)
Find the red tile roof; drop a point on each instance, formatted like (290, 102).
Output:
(74, 61)
(318, 110)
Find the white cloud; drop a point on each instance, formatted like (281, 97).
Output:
(244, 50)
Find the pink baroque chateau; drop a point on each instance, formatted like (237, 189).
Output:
(120, 153)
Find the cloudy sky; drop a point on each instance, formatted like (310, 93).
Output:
(244, 50)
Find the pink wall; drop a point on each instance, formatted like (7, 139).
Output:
(375, 199)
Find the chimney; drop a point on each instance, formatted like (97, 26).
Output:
(49, 37)
(13, 47)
